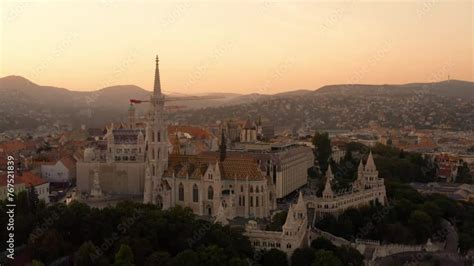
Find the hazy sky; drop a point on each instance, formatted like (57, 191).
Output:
(236, 46)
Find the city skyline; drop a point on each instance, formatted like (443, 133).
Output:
(230, 47)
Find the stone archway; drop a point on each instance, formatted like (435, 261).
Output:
(209, 210)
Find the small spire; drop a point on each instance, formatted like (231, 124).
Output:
(157, 85)
(361, 166)
(329, 173)
(370, 165)
(327, 192)
(300, 205)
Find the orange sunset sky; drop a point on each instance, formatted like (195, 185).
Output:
(236, 46)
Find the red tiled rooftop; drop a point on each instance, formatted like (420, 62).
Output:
(26, 178)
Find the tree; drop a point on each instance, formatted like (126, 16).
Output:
(322, 243)
(86, 255)
(33, 199)
(274, 257)
(235, 261)
(350, 256)
(278, 220)
(158, 258)
(421, 224)
(36, 263)
(322, 149)
(212, 255)
(124, 257)
(326, 258)
(186, 258)
(464, 174)
(303, 257)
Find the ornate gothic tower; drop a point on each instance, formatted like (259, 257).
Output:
(157, 142)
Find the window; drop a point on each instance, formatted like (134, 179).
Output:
(159, 136)
(181, 192)
(210, 193)
(241, 188)
(153, 154)
(251, 189)
(251, 201)
(257, 190)
(240, 200)
(152, 136)
(243, 200)
(256, 201)
(195, 193)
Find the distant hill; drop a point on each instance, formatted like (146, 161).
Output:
(26, 105)
(449, 88)
(444, 105)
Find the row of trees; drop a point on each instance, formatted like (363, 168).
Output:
(321, 252)
(105, 236)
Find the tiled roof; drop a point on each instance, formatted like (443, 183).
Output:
(69, 162)
(12, 146)
(196, 166)
(26, 178)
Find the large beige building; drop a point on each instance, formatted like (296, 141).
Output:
(366, 189)
(286, 163)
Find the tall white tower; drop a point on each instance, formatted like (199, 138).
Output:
(156, 140)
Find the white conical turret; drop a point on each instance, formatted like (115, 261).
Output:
(220, 216)
(370, 165)
(360, 169)
(327, 192)
(290, 220)
(300, 207)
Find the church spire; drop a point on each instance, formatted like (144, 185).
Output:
(157, 85)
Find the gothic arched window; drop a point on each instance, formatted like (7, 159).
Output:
(181, 192)
(195, 193)
(257, 190)
(210, 193)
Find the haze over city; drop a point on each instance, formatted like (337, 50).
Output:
(249, 47)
